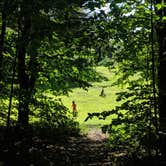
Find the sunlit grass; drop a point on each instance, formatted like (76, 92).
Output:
(90, 101)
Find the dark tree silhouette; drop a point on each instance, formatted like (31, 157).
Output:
(2, 35)
(161, 33)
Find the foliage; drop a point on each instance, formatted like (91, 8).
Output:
(51, 47)
(134, 123)
(51, 113)
(90, 101)
(48, 49)
(137, 117)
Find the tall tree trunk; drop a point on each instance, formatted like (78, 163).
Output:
(161, 33)
(23, 78)
(162, 86)
(26, 73)
(162, 77)
(23, 108)
(2, 36)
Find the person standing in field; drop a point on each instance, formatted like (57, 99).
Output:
(74, 107)
(102, 94)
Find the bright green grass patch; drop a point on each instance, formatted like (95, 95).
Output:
(90, 101)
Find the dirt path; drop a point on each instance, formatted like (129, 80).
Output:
(96, 134)
(90, 150)
(87, 150)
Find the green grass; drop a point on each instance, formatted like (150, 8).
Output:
(90, 101)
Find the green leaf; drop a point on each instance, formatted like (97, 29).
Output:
(164, 18)
(158, 6)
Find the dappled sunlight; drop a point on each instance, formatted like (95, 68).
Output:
(90, 101)
(96, 134)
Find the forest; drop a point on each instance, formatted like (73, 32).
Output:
(112, 54)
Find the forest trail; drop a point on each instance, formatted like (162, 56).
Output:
(96, 134)
(89, 150)
(84, 150)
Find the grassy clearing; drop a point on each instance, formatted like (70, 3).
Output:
(90, 101)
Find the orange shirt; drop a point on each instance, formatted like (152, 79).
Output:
(74, 106)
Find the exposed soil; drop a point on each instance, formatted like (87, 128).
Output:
(97, 135)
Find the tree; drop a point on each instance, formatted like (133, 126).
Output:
(130, 44)
(31, 33)
(2, 35)
(52, 46)
(161, 34)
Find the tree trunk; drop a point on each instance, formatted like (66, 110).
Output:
(162, 87)
(23, 77)
(2, 36)
(162, 78)
(161, 33)
(26, 73)
(23, 108)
